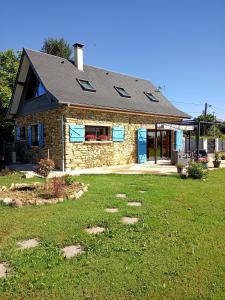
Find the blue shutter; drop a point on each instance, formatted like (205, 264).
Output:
(142, 145)
(29, 135)
(41, 138)
(77, 133)
(118, 134)
(17, 134)
(179, 140)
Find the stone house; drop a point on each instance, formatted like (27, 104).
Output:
(82, 116)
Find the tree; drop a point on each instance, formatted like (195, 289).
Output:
(58, 47)
(9, 63)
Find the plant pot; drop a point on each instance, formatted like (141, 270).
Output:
(216, 164)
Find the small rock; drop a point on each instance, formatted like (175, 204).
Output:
(130, 220)
(3, 188)
(31, 243)
(3, 270)
(17, 203)
(111, 210)
(95, 230)
(77, 195)
(134, 203)
(122, 196)
(6, 201)
(71, 251)
(60, 199)
(28, 175)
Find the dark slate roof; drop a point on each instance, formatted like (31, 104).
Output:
(59, 76)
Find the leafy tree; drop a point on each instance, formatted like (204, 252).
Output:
(58, 47)
(205, 128)
(9, 63)
(222, 128)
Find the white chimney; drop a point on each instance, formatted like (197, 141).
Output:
(78, 56)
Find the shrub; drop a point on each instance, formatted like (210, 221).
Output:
(196, 170)
(222, 155)
(45, 166)
(69, 179)
(56, 187)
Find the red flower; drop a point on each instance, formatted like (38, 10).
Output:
(103, 137)
(90, 137)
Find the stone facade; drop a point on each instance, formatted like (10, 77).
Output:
(53, 142)
(96, 154)
(87, 154)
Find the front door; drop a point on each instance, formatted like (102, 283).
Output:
(163, 144)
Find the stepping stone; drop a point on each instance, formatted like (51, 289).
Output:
(111, 210)
(95, 230)
(142, 192)
(3, 270)
(71, 251)
(122, 196)
(134, 203)
(27, 244)
(130, 220)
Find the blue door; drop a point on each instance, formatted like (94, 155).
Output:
(142, 145)
(179, 140)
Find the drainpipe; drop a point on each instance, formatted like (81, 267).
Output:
(63, 143)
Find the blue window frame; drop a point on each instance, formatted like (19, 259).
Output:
(40, 90)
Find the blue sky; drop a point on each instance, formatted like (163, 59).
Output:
(178, 44)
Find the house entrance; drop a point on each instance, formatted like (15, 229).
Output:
(163, 144)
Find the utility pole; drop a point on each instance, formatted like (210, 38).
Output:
(214, 124)
(205, 116)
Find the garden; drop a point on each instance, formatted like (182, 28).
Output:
(127, 237)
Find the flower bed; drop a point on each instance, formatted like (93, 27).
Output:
(53, 191)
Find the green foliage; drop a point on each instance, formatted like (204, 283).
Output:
(217, 156)
(57, 47)
(69, 179)
(9, 63)
(197, 170)
(207, 118)
(222, 155)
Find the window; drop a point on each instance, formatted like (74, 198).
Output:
(34, 135)
(151, 97)
(23, 133)
(34, 88)
(122, 92)
(86, 86)
(97, 133)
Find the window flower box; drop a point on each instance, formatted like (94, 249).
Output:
(103, 137)
(90, 137)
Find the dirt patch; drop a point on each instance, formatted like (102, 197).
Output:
(27, 244)
(134, 203)
(130, 220)
(122, 196)
(111, 210)
(3, 270)
(73, 250)
(95, 230)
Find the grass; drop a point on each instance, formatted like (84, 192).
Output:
(176, 251)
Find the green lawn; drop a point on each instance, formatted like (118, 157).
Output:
(176, 251)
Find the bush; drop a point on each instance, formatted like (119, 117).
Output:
(69, 179)
(197, 171)
(45, 166)
(222, 155)
(56, 187)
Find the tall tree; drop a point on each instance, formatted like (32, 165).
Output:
(9, 63)
(58, 47)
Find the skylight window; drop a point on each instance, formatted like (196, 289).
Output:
(86, 85)
(122, 92)
(151, 97)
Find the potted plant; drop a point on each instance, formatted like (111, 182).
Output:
(180, 168)
(217, 160)
(103, 137)
(204, 161)
(90, 137)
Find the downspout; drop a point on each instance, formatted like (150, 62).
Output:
(63, 143)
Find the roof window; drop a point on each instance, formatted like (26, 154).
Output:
(122, 92)
(151, 97)
(86, 86)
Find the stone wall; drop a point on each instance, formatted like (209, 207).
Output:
(96, 154)
(52, 127)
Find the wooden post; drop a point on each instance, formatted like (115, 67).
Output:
(48, 154)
